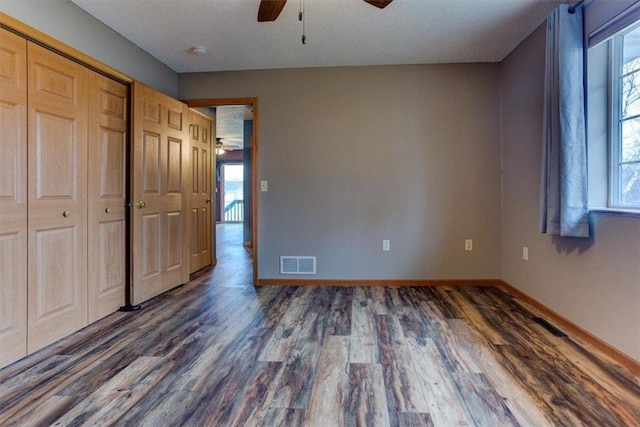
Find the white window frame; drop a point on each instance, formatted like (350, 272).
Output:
(615, 122)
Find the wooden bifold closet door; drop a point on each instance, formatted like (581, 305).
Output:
(108, 148)
(13, 197)
(63, 148)
(57, 196)
(160, 163)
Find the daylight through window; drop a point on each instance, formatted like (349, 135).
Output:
(625, 168)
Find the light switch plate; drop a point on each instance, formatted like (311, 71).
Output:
(264, 185)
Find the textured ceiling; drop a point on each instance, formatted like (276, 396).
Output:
(338, 32)
(230, 125)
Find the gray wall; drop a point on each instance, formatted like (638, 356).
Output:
(592, 282)
(357, 155)
(69, 24)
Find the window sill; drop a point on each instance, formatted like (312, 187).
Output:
(616, 211)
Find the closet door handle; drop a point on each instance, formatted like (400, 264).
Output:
(107, 210)
(141, 204)
(66, 214)
(208, 201)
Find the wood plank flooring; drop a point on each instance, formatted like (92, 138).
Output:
(221, 352)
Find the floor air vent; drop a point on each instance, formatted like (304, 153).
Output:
(549, 327)
(297, 265)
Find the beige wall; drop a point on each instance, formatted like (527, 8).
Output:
(593, 282)
(69, 24)
(357, 155)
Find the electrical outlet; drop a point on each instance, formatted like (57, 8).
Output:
(468, 245)
(386, 245)
(525, 253)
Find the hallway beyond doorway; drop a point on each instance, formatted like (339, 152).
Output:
(234, 266)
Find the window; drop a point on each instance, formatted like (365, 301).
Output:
(625, 120)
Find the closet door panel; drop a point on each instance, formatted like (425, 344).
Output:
(57, 197)
(13, 197)
(108, 110)
(55, 148)
(55, 267)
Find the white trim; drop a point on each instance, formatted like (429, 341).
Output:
(615, 60)
(616, 120)
(616, 211)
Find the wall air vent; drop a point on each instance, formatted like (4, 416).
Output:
(297, 265)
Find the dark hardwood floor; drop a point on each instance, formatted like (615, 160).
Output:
(221, 352)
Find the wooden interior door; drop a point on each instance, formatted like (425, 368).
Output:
(57, 197)
(13, 197)
(108, 111)
(200, 200)
(160, 160)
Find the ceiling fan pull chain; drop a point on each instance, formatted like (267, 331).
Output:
(301, 17)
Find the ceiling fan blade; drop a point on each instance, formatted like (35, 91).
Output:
(270, 9)
(379, 3)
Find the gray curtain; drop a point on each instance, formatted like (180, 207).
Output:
(564, 209)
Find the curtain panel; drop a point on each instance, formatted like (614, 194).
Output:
(564, 197)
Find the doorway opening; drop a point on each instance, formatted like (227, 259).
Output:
(235, 201)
